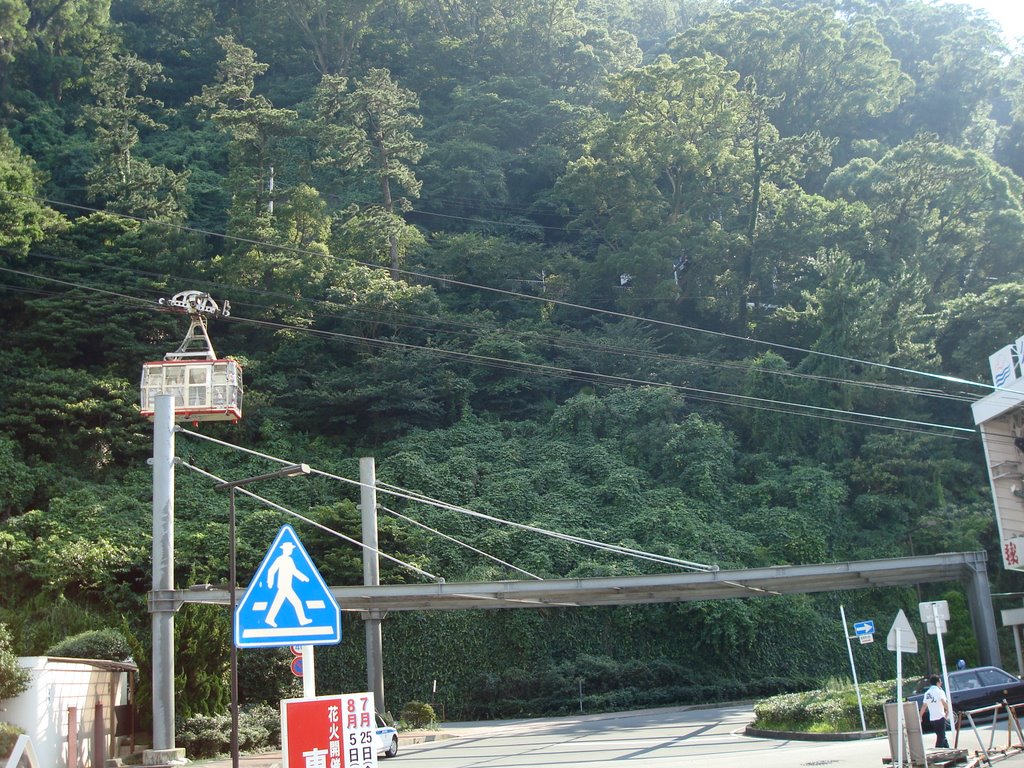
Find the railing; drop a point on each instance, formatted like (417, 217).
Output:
(1012, 724)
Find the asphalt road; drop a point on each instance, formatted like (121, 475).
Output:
(660, 738)
(663, 737)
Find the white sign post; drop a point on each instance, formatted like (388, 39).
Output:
(900, 638)
(934, 615)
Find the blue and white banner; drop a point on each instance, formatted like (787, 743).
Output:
(1004, 367)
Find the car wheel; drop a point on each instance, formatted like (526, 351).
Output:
(392, 750)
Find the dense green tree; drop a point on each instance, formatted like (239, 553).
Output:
(127, 182)
(13, 679)
(202, 636)
(330, 29)
(14, 15)
(255, 129)
(386, 114)
(23, 217)
(953, 215)
(17, 480)
(953, 53)
(663, 181)
(499, 151)
(60, 38)
(825, 73)
(972, 327)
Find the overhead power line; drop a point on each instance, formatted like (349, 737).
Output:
(460, 543)
(523, 296)
(446, 324)
(821, 411)
(303, 518)
(415, 496)
(695, 393)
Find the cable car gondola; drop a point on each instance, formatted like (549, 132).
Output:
(205, 388)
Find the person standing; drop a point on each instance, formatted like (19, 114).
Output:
(936, 704)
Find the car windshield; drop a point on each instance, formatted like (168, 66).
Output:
(985, 677)
(995, 677)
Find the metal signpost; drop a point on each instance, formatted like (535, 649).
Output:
(860, 628)
(290, 471)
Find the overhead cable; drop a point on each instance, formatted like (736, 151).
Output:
(528, 297)
(312, 522)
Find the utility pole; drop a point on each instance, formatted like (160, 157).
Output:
(161, 598)
(371, 578)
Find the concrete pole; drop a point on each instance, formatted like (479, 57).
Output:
(161, 604)
(979, 601)
(371, 578)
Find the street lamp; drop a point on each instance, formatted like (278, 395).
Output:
(292, 470)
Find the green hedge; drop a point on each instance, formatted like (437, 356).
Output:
(608, 685)
(259, 729)
(830, 709)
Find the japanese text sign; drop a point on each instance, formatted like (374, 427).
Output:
(328, 732)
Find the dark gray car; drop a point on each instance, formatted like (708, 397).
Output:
(978, 687)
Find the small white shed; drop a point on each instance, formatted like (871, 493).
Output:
(76, 711)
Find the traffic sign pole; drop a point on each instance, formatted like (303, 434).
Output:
(856, 685)
(898, 757)
(942, 657)
(308, 672)
(935, 615)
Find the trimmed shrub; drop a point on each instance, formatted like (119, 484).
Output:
(205, 735)
(105, 644)
(832, 709)
(417, 714)
(259, 729)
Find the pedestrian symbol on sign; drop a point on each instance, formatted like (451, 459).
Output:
(285, 570)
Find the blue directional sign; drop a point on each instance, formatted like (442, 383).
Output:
(287, 602)
(864, 627)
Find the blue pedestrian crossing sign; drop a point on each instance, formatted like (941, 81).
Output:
(287, 602)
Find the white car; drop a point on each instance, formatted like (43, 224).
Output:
(385, 738)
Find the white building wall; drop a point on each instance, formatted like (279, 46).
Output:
(43, 711)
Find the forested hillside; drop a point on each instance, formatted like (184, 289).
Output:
(712, 280)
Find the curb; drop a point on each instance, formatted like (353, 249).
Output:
(803, 736)
(423, 737)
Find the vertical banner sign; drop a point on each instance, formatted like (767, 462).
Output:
(328, 732)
